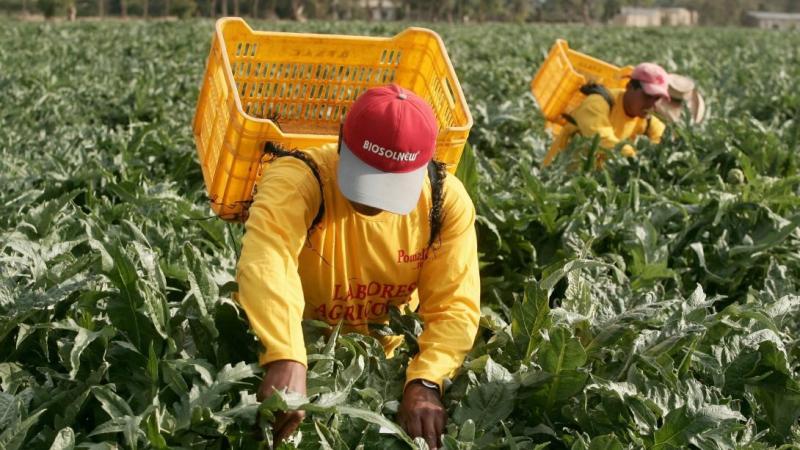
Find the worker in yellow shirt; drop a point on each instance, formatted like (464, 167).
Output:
(343, 233)
(617, 115)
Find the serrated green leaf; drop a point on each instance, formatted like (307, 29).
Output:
(375, 418)
(114, 405)
(9, 410)
(13, 436)
(64, 440)
(529, 318)
(486, 405)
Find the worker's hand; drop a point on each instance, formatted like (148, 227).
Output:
(628, 151)
(289, 375)
(422, 414)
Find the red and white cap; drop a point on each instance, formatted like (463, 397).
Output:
(654, 79)
(388, 138)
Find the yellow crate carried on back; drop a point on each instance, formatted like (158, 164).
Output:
(294, 89)
(556, 85)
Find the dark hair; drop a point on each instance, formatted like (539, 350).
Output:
(437, 172)
(635, 84)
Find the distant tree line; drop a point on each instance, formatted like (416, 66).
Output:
(712, 12)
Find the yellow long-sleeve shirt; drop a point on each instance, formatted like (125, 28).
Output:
(352, 267)
(594, 117)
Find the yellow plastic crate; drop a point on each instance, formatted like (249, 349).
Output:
(294, 89)
(556, 85)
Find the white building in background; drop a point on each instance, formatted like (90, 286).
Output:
(772, 20)
(655, 17)
(380, 9)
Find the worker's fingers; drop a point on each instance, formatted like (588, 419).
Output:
(286, 424)
(413, 426)
(401, 420)
(430, 430)
(280, 420)
(440, 420)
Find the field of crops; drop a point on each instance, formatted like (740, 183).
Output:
(653, 304)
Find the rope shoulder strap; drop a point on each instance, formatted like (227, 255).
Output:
(437, 172)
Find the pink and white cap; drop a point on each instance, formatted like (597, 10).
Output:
(653, 78)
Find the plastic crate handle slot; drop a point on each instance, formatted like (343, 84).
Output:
(448, 91)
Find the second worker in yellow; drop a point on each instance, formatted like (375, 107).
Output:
(617, 115)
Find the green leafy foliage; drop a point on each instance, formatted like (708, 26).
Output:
(653, 304)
